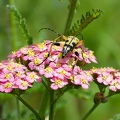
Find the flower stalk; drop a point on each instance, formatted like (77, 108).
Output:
(90, 111)
(44, 104)
(70, 15)
(51, 112)
(29, 107)
(18, 109)
(13, 28)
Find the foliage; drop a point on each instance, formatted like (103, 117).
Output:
(101, 43)
(84, 21)
(22, 24)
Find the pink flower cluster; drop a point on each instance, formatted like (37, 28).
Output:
(108, 77)
(28, 64)
(46, 58)
(14, 75)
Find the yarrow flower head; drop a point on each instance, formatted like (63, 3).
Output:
(107, 76)
(14, 75)
(46, 58)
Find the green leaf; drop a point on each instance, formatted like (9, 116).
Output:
(22, 24)
(84, 21)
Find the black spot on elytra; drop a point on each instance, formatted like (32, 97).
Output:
(73, 43)
(56, 43)
(76, 53)
(67, 41)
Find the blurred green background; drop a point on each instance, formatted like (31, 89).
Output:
(101, 36)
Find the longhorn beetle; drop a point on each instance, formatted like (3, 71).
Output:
(70, 43)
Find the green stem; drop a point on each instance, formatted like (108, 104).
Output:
(90, 111)
(70, 16)
(29, 107)
(43, 105)
(13, 28)
(18, 109)
(51, 113)
(44, 82)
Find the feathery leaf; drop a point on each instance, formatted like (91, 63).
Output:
(22, 24)
(84, 21)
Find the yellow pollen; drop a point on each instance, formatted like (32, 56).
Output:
(58, 64)
(48, 70)
(46, 54)
(9, 68)
(30, 52)
(24, 83)
(84, 55)
(37, 61)
(7, 76)
(103, 69)
(57, 82)
(83, 81)
(13, 52)
(104, 77)
(41, 46)
(19, 74)
(8, 85)
(32, 76)
(88, 74)
(72, 78)
(94, 69)
(116, 83)
(62, 72)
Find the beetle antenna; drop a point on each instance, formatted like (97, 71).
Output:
(50, 30)
(80, 35)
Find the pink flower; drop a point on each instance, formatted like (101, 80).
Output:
(115, 85)
(81, 80)
(22, 84)
(67, 68)
(41, 47)
(55, 65)
(20, 74)
(48, 72)
(6, 76)
(105, 78)
(34, 63)
(58, 83)
(88, 56)
(6, 87)
(78, 53)
(32, 76)
(92, 57)
(14, 75)
(46, 59)
(61, 73)
(88, 75)
(76, 70)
